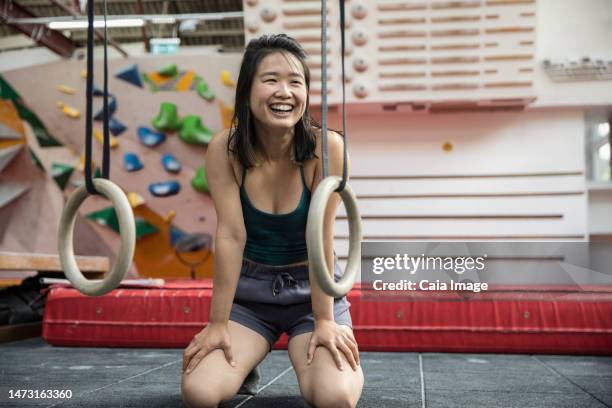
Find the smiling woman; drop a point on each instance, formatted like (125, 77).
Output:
(257, 171)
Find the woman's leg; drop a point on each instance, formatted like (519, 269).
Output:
(322, 384)
(214, 380)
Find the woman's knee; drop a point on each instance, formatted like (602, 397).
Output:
(330, 394)
(208, 392)
(199, 395)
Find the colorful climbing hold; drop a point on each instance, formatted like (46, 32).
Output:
(169, 70)
(131, 162)
(69, 111)
(149, 137)
(170, 163)
(130, 74)
(100, 138)
(227, 114)
(165, 188)
(169, 216)
(175, 234)
(167, 120)
(61, 173)
(97, 91)
(184, 83)
(199, 181)
(194, 132)
(66, 89)
(108, 218)
(112, 107)
(205, 92)
(226, 79)
(135, 199)
(116, 127)
(144, 227)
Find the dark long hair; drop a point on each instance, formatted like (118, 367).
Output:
(243, 141)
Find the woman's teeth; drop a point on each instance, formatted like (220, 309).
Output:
(281, 110)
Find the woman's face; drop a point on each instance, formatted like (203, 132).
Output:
(278, 94)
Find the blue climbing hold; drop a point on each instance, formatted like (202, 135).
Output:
(171, 164)
(165, 188)
(131, 162)
(130, 74)
(149, 137)
(112, 107)
(116, 127)
(175, 234)
(97, 91)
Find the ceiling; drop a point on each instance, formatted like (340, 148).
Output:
(227, 33)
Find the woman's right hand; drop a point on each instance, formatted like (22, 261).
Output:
(213, 336)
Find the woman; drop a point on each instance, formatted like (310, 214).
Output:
(261, 262)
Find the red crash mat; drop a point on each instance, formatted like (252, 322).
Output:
(551, 319)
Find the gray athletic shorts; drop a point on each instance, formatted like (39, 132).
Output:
(273, 300)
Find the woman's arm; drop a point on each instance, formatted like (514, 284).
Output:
(322, 304)
(231, 235)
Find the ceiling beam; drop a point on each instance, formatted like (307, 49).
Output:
(76, 13)
(55, 41)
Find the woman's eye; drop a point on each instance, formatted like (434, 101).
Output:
(270, 80)
(296, 82)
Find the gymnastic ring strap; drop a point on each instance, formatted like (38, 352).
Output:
(89, 104)
(324, 155)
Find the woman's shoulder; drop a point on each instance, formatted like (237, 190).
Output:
(219, 146)
(334, 140)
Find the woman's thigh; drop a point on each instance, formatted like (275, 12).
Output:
(322, 380)
(214, 378)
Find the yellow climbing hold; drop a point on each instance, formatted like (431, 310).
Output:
(69, 110)
(447, 146)
(100, 138)
(60, 104)
(169, 216)
(84, 73)
(135, 199)
(227, 113)
(226, 78)
(66, 89)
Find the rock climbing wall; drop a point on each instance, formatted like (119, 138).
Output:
(201, 90)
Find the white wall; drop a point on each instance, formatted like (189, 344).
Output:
(510, 176)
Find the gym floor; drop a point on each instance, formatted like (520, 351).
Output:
(122, 377)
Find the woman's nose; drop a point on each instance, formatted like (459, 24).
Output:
(283, 90)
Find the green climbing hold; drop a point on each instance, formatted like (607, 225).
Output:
(167, 120)
(144, 227)
(97, 173)
(36, 160)
(169, 70)
(61, 173)
(194, 132)
(199, 182)
(205, 92)
(108, 218)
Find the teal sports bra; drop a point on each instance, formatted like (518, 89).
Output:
(275, 239)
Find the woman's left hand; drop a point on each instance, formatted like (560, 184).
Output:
(337, 338)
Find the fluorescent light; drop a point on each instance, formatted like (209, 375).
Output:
(163, 20)
(81, 25)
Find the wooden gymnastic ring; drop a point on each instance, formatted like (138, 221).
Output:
(314, 238)
(127, 230)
